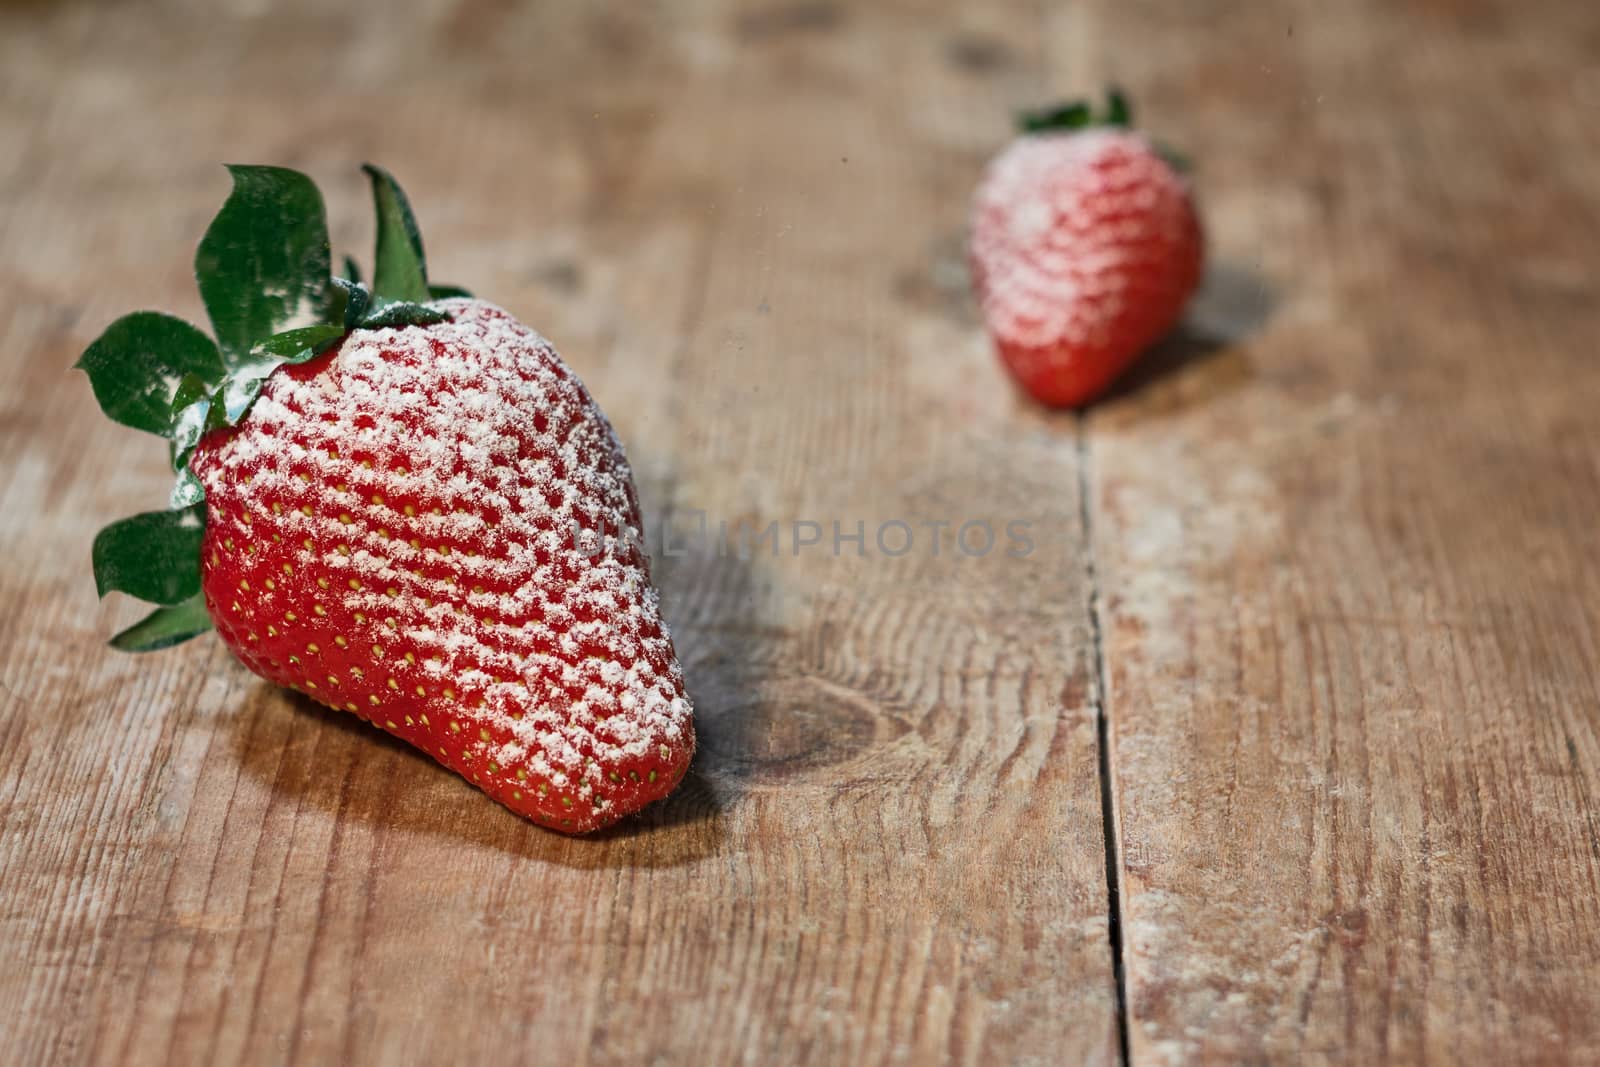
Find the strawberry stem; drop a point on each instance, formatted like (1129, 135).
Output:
(1079, 115)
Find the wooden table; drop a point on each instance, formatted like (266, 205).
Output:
(1282, 746)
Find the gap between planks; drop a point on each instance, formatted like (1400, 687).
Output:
(1102, 733)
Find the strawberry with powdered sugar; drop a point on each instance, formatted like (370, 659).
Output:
(411, 510)
(1085, 247)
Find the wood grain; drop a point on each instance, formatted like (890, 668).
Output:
(741, 224)
(1346, 544)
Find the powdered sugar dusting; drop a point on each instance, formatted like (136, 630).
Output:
(421, 487)
(1079, 240)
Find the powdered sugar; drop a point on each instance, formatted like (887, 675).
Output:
(422, 485)
(1062, 224)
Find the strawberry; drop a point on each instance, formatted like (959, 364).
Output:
(401, 503)
(1085, 248)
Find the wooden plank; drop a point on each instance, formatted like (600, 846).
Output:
(1346, 544)
(742, 227)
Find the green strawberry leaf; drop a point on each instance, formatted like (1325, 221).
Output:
(1118, 111)
(154, 556)
(1079, 115)
(1073, 116)
(264, 264)
(135, 366)
(186, 491)
(445, 292)
(191, 417)
(243, 386)
(350, 301)
(165, 627)
(352, 271)
(297, 346)
(402, 314)
(399, 271)
(191, 389)
(292, 346)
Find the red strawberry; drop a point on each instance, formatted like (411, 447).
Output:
(1085, 248)
(391, 528)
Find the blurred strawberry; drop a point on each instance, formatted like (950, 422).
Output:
(1085, 248)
